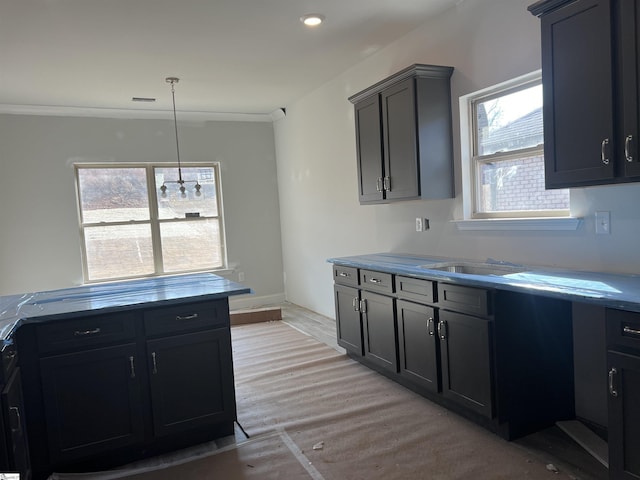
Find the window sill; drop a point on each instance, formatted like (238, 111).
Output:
(520, 224)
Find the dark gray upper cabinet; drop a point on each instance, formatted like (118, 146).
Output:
(589, 74)
(403, 136)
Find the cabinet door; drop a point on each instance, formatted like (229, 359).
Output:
(348, 322)
(624, 415)
(17, 447)
(465, 343)
(400, 141)
(369, 149)
(93, 401)
(379, 329)
(417, 344)
(630, 48)
(578, 94)
(191, 379)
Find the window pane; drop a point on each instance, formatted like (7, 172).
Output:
(173, 205)
(510, 122)
(113, 194)
(517, 185)
(118, 251)
(191, 245)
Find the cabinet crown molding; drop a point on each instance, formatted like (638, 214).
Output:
(416, 70)
(545, 6)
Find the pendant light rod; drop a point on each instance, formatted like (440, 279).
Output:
(173, 81)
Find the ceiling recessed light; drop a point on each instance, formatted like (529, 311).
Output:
(312, 19)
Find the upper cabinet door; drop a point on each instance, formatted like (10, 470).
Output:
(369, 149)
(630, 63)
(400, 141)
(578, 94)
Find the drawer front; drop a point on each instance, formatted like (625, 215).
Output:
(476, 301)
(187, 317)
(345, 275)
(86, 332)
(623, 328)
(423, 291)
(376, 281)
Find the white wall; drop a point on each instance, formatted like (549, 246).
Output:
(39, 239)
(488, 42)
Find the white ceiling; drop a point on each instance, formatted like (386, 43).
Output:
(238, 56)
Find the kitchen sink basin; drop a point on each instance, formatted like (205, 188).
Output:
(474, 268)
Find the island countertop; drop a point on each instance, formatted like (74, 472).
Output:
(605, 289)
(46, 305)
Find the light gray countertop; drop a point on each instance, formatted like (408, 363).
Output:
(44, 306)
(606, 289)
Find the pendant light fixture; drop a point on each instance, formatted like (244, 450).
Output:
(183, 190)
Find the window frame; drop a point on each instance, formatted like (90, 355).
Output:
(154, 221)
(472, 161)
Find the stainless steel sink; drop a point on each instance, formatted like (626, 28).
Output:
(474, 268)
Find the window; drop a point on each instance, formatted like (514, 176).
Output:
(129, 228)
(506, 167)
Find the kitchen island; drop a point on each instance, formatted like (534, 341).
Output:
(111, 373)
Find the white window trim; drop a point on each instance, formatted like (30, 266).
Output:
(153, 219)
(468, 222)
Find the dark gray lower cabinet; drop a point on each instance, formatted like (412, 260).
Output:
(465, 343)
(418, 344)
(348, 322)
(189, 379)
(624, 416)
(14, 426)
(93, 401)
(379, 330)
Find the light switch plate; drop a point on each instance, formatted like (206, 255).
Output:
(603, 223)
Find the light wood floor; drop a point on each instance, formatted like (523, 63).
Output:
(551, 441)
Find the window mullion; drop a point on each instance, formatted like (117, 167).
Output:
(156, 240)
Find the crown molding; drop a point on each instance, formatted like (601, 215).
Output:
(62, 111)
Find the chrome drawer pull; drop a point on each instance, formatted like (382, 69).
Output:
(344, 274)
(356, 304)
(187, 317)
(630, 331)
(78, 333)
(375, 280)
(612, 390)
(132, 367)
(18, 420)
(430, 328)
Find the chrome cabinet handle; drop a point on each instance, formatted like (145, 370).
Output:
(363, 306)
(356, 304)
(18, 419)
(155, 366)
(379, 184)
(193, 316)
(78, 333)
(132, 367)
(442, 330)
(627, 149)
(630, 331)
(430, 328)
(603, 151)
(375, 280)
(612, 389)
(387, 184)
(343, 274)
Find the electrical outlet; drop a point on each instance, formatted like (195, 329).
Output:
(603, 223)
(241, 276)
(419, 224)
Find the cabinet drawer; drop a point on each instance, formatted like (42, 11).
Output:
(345, 275)
(376, 281)
(476, 301)
(187, 317)
(416, 289)
(623, 328)
(85, 332)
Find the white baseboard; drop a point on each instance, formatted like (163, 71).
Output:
(253, 301)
